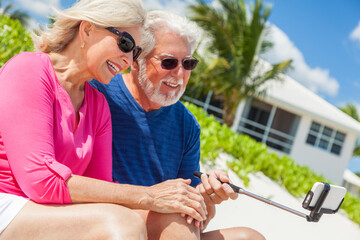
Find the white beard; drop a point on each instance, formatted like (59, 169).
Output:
(154, 93)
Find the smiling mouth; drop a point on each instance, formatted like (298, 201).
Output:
(112, 66)
(172, 85)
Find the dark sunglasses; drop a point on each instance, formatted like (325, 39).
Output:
(126, 42)
(171, 63)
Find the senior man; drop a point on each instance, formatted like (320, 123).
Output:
(155, 138)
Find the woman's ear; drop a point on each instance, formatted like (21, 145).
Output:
(84, 31)
(135, 66)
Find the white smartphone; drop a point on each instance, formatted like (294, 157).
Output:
(332, 201)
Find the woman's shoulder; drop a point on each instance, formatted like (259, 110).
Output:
(30, 57)
(29, 62)
(32, 63)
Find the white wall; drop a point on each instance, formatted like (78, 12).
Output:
(330, 165)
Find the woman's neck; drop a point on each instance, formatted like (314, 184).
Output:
(72, 73)
(70, 67)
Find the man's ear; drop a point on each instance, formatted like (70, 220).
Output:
(84, 30)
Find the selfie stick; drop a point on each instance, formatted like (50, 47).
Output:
(314, 216)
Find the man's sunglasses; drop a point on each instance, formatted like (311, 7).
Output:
(126, 42)
(171, 63)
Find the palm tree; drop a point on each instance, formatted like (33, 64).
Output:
(23, 17)
(351, 110)
(231, 67)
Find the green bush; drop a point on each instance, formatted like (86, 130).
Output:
(14, 38)
(251, 156)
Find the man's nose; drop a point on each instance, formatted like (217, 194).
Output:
(178, 72)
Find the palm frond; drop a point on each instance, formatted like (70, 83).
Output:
(236, 42)
(21, 16)
(351, 110)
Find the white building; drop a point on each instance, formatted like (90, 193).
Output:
(293, 120)
(352, 183)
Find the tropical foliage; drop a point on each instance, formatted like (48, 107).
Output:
(230, 65)
(14, 38)
(251, 156)
(351, 110)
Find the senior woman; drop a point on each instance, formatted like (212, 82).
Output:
(55, 133)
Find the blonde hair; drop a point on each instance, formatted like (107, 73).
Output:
(159, 21)
(102, 13)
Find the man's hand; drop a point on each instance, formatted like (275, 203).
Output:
(213, 191)
(177, 196)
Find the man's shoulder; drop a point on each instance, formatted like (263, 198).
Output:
(188, 116)
(112, 86)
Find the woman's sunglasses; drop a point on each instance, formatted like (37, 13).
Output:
(126, 42)
(171, 63)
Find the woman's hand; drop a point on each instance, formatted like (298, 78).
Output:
(202, 225)
(177, 196)
(213, 192)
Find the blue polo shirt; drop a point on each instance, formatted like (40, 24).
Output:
(150, 147)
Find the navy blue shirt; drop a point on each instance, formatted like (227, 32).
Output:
(150, 147)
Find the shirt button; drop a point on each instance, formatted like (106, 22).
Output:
(50, 160)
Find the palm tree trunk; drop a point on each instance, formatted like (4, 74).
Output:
(230, 106)
(228, 115)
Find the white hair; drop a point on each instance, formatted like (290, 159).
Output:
(102, 13)
(162, 22)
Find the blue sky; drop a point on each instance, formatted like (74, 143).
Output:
(322, 37)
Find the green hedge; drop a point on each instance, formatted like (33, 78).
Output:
(251, 156)
(14, 38)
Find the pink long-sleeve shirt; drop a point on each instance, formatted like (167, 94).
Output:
(40, 144)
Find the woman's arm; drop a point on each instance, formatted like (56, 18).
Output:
(100, 165)
(172, 196)
(26, 125)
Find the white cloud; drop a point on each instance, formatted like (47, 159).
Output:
(316, 79)
(355, 34)
(39, 7)
(32, 24)
(177, 6)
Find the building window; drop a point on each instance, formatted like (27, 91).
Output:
(269, 124)
(326, 138)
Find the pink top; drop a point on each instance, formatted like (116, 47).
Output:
(39, 148)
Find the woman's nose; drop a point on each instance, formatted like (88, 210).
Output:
(127, 60)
